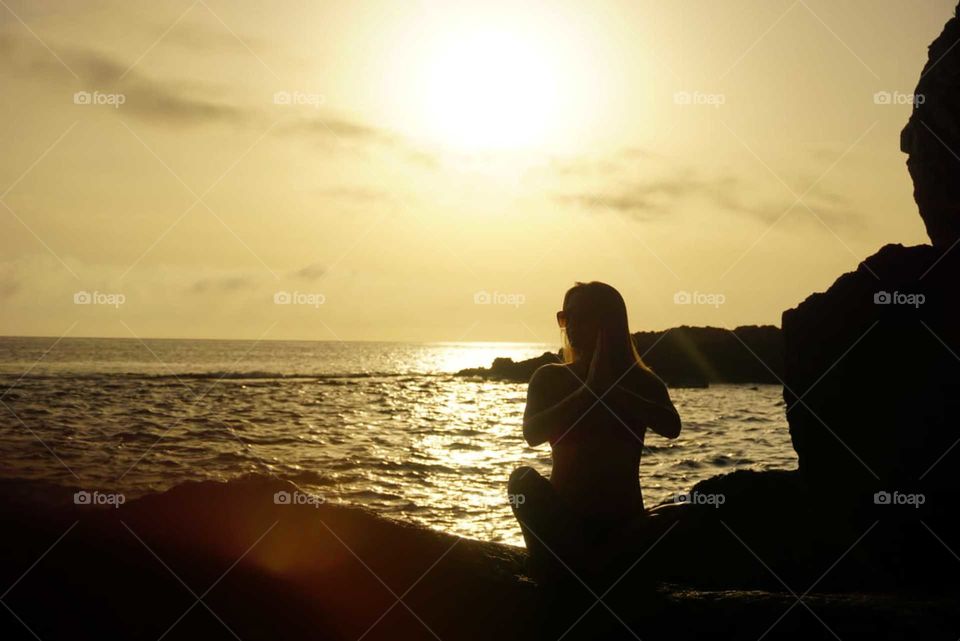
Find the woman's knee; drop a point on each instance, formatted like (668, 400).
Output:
(520, 478)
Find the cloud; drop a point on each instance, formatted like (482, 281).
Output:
(656, 196)
(149, 99)
(311, 272)
(222, 284)
(645, 200)
(202, 37)
(336, 130)
(174, 104)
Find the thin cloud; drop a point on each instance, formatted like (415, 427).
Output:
(144, 97)
(645, 200)
(172, 104)
(222, 284)
(311, 272)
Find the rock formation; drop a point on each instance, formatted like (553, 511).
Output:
(872, 365)
(507, 369)
(932, 139)
(224, 561)
(698, 356)
(682, 357)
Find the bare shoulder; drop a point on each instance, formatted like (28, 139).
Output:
(550, 373)
(553, 378)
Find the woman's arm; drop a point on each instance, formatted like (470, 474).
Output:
(638, 395)
(544, 416)
(650, 407)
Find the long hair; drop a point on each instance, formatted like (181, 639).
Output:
(597, 308)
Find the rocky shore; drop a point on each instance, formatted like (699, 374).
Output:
(225, 560)
(682, 357)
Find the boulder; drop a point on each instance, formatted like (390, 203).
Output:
(932, 139)
(872, 365)
(872, 389)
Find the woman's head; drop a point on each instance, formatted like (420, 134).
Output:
(596, 309)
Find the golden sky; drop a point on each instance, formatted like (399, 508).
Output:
(444, 170)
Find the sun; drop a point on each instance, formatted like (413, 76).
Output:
(491, 89)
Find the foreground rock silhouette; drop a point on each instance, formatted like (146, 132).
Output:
(275, 572)
(872, 365)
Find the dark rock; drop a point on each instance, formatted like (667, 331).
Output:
(932, 139)
(872, 376)
(682, 357)
(872, 388)
(770, 531)
(506, 369)
(276, 572)
(698, 356)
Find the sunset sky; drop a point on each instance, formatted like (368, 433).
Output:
(387, 164)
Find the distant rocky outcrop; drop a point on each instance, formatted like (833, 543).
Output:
(872, 365)
(507, 369)
(682, 357)
(685, 356)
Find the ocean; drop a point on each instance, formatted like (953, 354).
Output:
(385, 425)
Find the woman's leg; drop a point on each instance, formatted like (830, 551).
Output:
(550, 530)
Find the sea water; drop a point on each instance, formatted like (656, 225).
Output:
(386, 425)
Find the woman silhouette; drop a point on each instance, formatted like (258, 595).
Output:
(594, 410)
